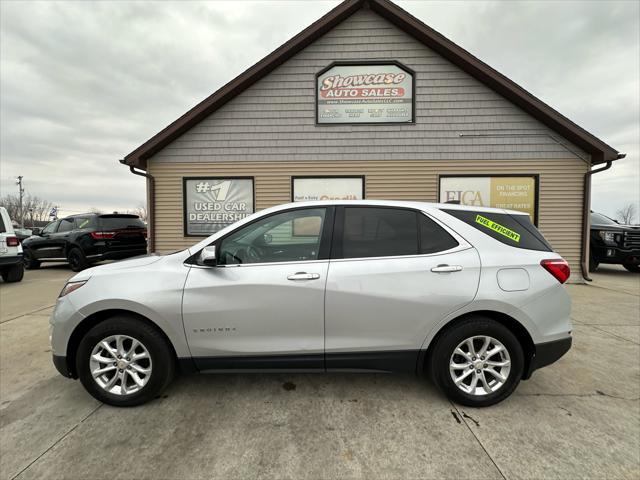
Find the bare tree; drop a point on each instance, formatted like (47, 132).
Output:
(35, 208)
(626, 214)
(141, 211)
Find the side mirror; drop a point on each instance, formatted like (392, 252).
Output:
(208, 256)
(35, 231)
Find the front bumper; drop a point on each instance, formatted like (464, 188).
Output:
(62, 366)
(617, 255)
(546, 354)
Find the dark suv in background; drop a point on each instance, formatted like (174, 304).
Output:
(614, 243)
(84, 239)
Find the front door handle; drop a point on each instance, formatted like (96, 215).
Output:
(446, 268)
(303, 276)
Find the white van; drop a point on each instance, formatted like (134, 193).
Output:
(11, 266)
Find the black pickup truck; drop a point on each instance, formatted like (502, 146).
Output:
(84, 239)
(614, 243)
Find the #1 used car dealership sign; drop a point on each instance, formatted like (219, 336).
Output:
(365, 93)
(211, 204)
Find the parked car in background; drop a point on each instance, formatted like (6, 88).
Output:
(11, 267)
(473, 296)
(84, 239)
(613, 243)
(22, 233)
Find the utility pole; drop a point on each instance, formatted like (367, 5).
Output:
(21, 191)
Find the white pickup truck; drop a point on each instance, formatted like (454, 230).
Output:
(11, 265)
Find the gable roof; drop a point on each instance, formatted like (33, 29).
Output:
(599, 150)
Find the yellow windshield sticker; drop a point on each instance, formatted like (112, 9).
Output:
(496, 227)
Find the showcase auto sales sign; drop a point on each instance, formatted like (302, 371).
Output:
(365, 94)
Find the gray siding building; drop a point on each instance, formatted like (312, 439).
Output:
(437, 124)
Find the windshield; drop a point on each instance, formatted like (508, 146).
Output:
(599, 219)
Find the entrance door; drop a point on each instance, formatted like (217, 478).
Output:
(262, 307)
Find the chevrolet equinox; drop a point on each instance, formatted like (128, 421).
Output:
(470, 296)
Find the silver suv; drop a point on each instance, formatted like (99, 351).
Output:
(471, 296)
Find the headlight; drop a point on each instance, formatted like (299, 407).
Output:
(610, 238)
(70, 287)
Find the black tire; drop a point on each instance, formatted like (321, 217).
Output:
(30, 263)
(447, 342)
(593, 263)
(13, 273)
(77, 260)
(632, 268)
(161, 353)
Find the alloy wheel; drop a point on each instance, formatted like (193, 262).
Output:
(480, 365)
(120, 365)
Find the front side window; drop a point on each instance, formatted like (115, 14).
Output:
(51, 227)
(284, 237)
(379, 232)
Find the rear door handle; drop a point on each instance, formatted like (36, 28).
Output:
(446, 268)
(303, 276)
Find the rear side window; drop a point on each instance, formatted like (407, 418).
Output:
(85, 222)
(513, 230)
(120, 222)
(434, 238)
(379, 232)
(3, 229)
(66, 225)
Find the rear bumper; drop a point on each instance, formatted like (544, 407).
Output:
(546, 354)
(9, 261)
(62, 366)
(118, 254)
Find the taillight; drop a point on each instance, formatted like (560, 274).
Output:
(558, 267)
(102, 235)
(144, 233)
(12, 241)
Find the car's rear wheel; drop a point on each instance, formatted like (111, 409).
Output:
(477, 362)
(124, 362)
(30, 262)
(77, 260)
(13, 273)
(632, 268)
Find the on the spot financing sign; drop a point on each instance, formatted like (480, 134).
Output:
(211, 204)
(365, 94)
(509, 192)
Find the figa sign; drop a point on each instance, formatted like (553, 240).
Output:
(509, 192)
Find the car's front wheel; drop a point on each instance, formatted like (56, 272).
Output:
(124, 362)
(477, 362)
(29, 260)
(632, 268)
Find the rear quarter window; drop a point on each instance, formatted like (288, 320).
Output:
(3, 229)
(513, 230)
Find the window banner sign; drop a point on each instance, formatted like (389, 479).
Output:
(213, 203)
(327, 188)
(365, 93)
(500, 191)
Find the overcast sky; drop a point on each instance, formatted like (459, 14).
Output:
(84, 83)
